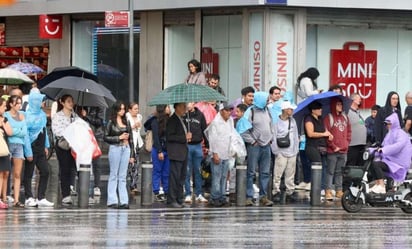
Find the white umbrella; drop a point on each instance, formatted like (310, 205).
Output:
(13, 77)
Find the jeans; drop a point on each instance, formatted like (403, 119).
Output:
(336, 162)
(258, 156)
(194, 159)
(119, 156)
(306, 166)
(160, 172)
(219, 174)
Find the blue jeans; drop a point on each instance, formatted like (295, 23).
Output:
(194, 159)
(258, 156)
(219, 174)
(336, 162)
(160, 172)
(119, 156)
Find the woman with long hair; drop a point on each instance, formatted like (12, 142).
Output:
(160, 157)
(64, 116)
(307, 85)
(196, 76)
(18, 144)
(118, 134)
(135, 120)
(5, 164)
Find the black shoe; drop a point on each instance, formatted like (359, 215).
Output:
(114, 206)
(175, 205)
(292, 197)
(124, 206)
(160, 198)
(277, 197)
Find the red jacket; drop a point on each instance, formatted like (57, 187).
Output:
(340, 129)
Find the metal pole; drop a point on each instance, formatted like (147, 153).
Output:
(241, 184)
(131, 51)
(84, 182)
(316, 184)
(147, 171)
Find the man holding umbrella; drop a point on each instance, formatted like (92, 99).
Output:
(177, 138)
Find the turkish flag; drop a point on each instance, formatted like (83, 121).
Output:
(50, 26)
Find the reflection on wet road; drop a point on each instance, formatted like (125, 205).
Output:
(291, 226)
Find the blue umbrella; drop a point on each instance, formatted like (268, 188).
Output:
(26, 68)
(324, 98)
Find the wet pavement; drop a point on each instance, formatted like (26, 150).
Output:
(293, 225)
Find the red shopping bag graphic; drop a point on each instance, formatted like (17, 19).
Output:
(355, 70)
(97, 152)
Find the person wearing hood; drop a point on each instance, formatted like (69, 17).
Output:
(396, 153)
(392, 105)
(258, 137)
(196, 124)
(337, 123)
(36, 120)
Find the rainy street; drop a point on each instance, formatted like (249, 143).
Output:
(293, 225)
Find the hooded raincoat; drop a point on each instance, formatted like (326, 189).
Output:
(396, 149)
(36, 119)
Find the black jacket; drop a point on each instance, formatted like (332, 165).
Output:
(196, 123)
(383, 113)
(176, 142)
(112, 133)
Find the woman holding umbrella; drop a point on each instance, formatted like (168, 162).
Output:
(67, 165)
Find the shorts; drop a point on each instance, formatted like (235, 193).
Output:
(16, 150)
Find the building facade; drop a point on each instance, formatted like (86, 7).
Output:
(365, 47)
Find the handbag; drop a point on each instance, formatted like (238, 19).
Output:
(284, 142)
(148, 141)
(62, 143)
(4, 148)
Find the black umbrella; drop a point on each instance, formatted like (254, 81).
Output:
(85, 92)
(60, 72)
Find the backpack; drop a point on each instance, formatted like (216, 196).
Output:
(331, 121)
(148, 141)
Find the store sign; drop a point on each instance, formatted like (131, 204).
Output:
(116, 19)
(256, 50)
(277, 2)
(210, 62)
(355, 70)
(50, 26)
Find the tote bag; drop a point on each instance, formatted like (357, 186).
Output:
(4, 148)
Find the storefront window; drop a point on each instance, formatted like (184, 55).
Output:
(105, 52)
(371, 62)
(222, 44)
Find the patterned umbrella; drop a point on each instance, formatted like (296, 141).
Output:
(13, 77)
(184, 93)
(26, 68)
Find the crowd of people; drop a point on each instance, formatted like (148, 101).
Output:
(258, 128)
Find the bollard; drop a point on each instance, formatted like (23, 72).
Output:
(84, 182)
(316, 184)
(241, 184)
(147, 171)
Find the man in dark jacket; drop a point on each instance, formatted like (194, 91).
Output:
(195, 123)
(177, 138)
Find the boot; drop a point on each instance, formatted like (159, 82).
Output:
(339, 194)
(328, 195)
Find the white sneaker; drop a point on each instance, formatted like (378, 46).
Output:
(10, 199)
(378, 189)
(91, 201)
(73, 191)
(322, 192)
(45, 203)
(188, 199)
(202, 199)
(301, 186)
(67, 200)
(30, 202)
(96, 191)
(308, 185)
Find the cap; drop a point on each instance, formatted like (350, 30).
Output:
(315, 105)
(226, 106)
(287, 105)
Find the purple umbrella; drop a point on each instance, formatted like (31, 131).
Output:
(26, 68)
